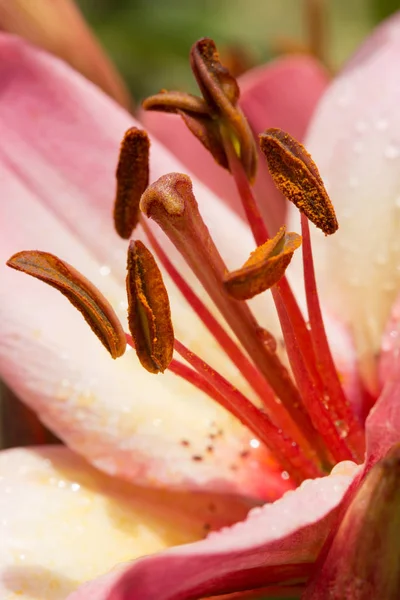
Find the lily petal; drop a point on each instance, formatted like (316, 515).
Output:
(63, 522)
(67, 155)
(383, 423)
(282, 94)
(355, 140)
(60, 28)
(276, 543)
(121, 418)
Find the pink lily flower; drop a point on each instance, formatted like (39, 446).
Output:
(318, 530)
(58, 157)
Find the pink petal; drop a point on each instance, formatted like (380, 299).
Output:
(355, 141)
(63, 522)
(59, 27)
(59, 150)
(282, 94)
(383, 423)
(390, 348)
(276, 542)
(121, 418)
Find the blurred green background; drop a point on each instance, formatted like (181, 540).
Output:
(149, 40)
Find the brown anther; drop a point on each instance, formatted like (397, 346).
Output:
(296, 175)
(214, 80)
(208, 132)
(265, 267)
(172, 102)
(221, 93)
(149, 315)
(132, 180)
(96, 310)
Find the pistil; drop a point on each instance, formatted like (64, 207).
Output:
(226, 342)
(171, 203)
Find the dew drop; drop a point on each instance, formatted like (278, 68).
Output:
(285, 475)
(75, 487)
(254, 443)
(267, 338)
(105, 270)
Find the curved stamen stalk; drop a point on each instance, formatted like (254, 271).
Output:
(239, 359)
(253, 214)
(284, 449)
(260, 234)
(336, 401)
(316, 409)
(171, 203)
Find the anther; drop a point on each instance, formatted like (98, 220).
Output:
(132, 180)
(296, 175)
(265, 267)
(149, 315)
(96, 310)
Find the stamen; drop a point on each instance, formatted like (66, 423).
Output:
(335, 398)
(239, 359)
(132, 180)
(94, 307)
(260, 234)
(265, 267)
(296, 175)
(149, 315)
(284, 449)
(316, 409)
(172, 102)
(253, 214)
(301, 182)
(215, 82)
(171, 203)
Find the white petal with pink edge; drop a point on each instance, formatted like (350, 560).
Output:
(355, 140)
(62, 522)
(288, 533)
(121, 418)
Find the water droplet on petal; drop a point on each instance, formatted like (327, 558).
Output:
(105, 270)
(254, 443)
(267, 338)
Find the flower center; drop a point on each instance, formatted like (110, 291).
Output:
(302, 416)
(306, 419)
